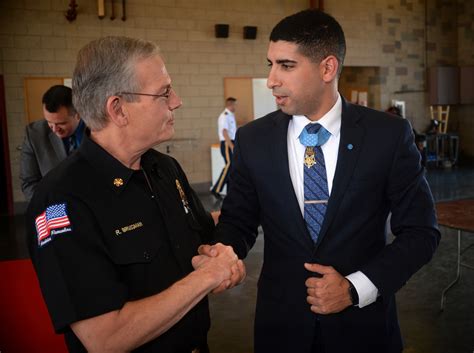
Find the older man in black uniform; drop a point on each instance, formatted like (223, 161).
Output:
(114, 229)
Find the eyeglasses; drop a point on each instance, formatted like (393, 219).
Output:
(163, 95)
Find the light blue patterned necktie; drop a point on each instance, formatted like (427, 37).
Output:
(72, 144)
(316, 192)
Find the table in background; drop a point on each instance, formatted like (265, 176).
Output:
(440, 148)
(459, 215)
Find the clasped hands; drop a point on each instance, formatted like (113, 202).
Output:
(222, 262)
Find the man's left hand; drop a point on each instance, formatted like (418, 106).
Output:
(238, 269)
(328, 294)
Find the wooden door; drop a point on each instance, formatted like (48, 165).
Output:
(6, 193)
(35, 87)
(241, 89)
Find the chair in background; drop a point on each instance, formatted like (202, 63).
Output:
(440, 114)
(442, 147)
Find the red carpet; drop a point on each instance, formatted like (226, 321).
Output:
(25, 326)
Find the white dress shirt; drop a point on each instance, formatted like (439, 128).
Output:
(331, 121)
(226, 121)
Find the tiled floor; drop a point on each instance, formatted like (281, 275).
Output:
(424, 327)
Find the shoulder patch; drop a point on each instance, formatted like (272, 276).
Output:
(53, 221)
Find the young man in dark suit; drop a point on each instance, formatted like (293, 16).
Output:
(321, 176)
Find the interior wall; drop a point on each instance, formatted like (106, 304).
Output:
(362, 79)
(263, 99)
(389, 35)
(404, 38)
(465, 113)
(36, 40)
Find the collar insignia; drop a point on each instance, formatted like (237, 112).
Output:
(118, 182)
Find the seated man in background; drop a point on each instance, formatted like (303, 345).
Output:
(50, 140)
(113, 230)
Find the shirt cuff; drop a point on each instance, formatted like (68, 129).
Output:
(365, 288)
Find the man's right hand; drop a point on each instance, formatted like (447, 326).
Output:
(238, 271)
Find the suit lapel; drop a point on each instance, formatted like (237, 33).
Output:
(352, 134)
(279, 141)
(58, 146)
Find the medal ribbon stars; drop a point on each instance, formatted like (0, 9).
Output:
(309, 159)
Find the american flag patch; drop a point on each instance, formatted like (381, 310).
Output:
(49, 222)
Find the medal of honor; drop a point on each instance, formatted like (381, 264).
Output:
(309, 159)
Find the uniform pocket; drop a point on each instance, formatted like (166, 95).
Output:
(137, 248)
(136, 260)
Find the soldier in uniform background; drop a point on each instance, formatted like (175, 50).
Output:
(226, 129)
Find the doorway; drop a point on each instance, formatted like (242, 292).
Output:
(254, 99)
(6, 195)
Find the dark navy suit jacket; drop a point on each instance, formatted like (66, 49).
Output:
(380, 174)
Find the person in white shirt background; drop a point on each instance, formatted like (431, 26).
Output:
(226, 129)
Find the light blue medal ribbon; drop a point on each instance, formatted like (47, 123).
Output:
(317, 139)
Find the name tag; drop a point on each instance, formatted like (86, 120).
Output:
(128, 228)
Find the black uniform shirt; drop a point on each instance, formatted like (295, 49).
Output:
(101, 234)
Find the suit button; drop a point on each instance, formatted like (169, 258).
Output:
(146, 255)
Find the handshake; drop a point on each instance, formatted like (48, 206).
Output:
(221, 265)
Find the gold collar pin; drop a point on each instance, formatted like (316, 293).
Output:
(118, 182)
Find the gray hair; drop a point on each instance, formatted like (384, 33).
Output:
(105, 67)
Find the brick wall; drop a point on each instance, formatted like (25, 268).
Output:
(362, 78)
(402, 38)
(388, 34)
(36, 40)
(465, 113)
